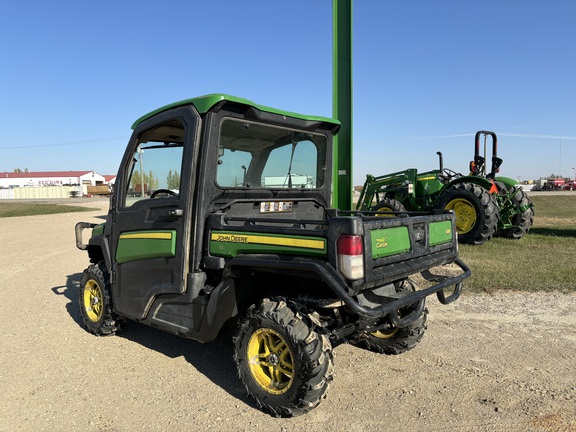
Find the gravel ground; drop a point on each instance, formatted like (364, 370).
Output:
(504, 362)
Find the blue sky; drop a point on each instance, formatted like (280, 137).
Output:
(427, 75)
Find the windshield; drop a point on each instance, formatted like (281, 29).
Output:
(254, 155)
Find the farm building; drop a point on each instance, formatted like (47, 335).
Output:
(50, 178)
(50, 184)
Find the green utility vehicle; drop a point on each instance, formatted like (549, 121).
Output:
(484, 204)
(220, 218)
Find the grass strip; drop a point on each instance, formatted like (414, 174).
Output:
(15, 209)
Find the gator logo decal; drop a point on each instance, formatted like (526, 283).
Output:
(381, 243)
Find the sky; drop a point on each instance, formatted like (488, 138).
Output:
(427, 74)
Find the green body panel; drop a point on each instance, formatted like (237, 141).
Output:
(98, 230)
(440, 233)
(389, 241)
(203, 104)
(140, 245)
(428, 183)
(232, 243)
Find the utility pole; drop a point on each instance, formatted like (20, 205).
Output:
(342, 102)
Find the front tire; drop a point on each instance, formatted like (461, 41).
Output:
(476, 212)
(96, 304)
(284, 363)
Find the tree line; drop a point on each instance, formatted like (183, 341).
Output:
(151, 181)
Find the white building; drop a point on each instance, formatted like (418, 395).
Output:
(9, 180)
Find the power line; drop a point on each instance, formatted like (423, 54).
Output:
(65, 143)
(506, 134)
(520, 135)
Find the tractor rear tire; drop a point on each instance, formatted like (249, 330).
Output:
(523, 220)
(388, 205)
(284, 362)
(476, 212)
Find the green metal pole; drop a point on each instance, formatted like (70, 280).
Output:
(342, 102)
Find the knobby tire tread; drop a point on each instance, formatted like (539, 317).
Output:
(312, 350)
(111, 323)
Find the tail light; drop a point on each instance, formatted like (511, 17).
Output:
(350, 251)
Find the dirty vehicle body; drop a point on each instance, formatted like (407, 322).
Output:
(241, 234)
(484, 204)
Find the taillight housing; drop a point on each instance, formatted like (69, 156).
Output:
(350, 252)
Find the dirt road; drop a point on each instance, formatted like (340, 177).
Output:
(505, 362)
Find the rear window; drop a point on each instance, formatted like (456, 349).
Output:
(255, 155)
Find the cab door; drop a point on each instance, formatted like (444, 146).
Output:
(152, 214)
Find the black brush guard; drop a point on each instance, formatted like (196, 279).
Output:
(338, 284)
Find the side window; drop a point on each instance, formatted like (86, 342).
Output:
(156, 165)
(233, 165)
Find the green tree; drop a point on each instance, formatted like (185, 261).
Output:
(173, 180)
(152, 181)
(135, 180)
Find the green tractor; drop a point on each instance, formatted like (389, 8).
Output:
(484, 205)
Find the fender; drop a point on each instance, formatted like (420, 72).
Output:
(508, 182)
(99, 248)
(480, 181)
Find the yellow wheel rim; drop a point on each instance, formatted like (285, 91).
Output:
(381, 335)
(271, 361)
(465, 214)
(93, 300)
(385, 210)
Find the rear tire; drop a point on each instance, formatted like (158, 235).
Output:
(284, 363)
(96, 304)
(476, 212)
(396, 340)
(522, 220)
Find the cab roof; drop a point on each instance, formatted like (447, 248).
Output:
(203, 104)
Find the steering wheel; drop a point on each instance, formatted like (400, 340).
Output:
(165, 191)
(450, 173)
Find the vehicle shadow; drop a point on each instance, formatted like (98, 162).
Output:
(214, 360)
(71, 290)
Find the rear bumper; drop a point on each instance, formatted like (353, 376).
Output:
(338, 284)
